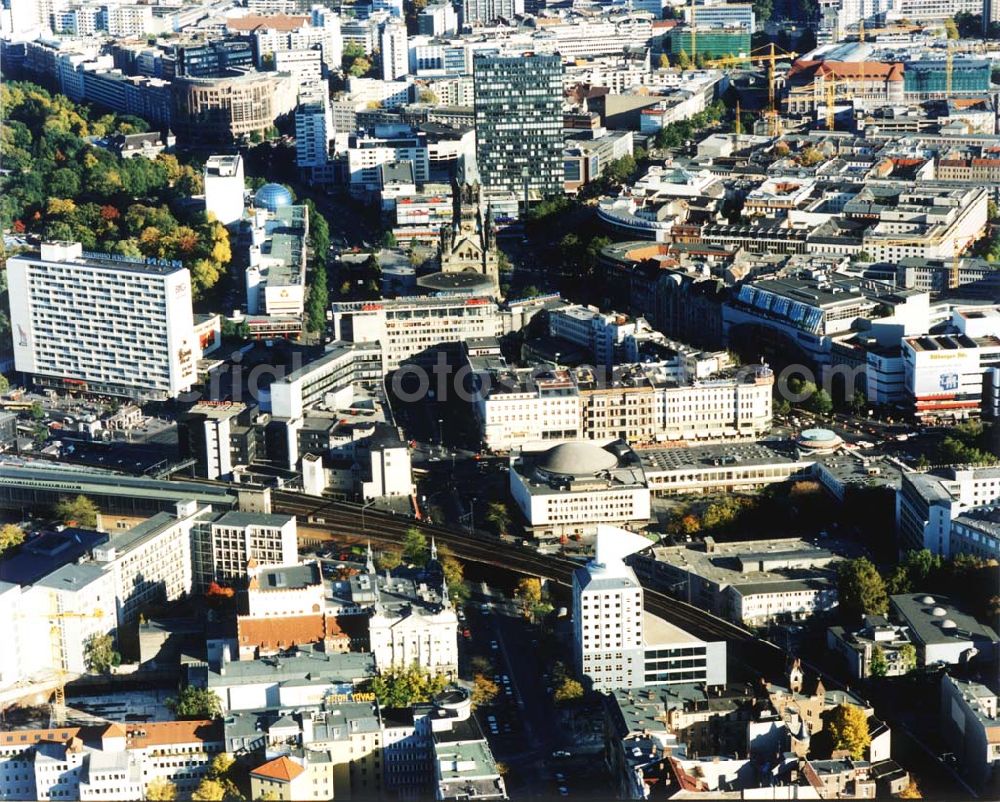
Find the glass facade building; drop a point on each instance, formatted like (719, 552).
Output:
(519, 123)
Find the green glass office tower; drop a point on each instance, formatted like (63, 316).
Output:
(519, 123)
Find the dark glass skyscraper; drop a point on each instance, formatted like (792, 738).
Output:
(519, 122)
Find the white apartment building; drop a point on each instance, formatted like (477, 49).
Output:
(313, 132)
(390, 94)
(932, 10)
(619, 645)
(927, 505)
(928, 224)
(305, 65)
(79, 21)
(103, 324)
(105, 762)
(574, 486)
(10, 655)
(224, 188)
(393, 52)
(408, 327)
(222, 548)
(751, 582)
(68, 606)
(453, 90)
(322, 30)
(599, 332)
(438, 19)
(388, 143)
(276, 277)
(638, 403)
(331, 377)
(129, 22)
(151, 562)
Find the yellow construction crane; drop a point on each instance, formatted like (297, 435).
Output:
(831, 99)
(59, 703)
(770, 57)
(738, 124)
(694, 34)
(949, 69)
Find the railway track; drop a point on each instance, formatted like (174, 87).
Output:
(340, 518)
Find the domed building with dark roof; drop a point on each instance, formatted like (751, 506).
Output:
(571, 487)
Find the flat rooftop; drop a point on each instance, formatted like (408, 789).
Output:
(935, 620)
(660, 632)
(655, 460)
(289, 577)
(747, 563)
(91, 482)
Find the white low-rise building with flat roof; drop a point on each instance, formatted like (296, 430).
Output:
(573, 487)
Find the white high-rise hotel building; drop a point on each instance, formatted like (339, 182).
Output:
(617, 643)
(100, 325)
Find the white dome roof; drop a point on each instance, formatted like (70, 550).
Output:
(577, 459)
(937, 612)
(948, 624)
(927, 600)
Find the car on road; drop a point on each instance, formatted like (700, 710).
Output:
(560, 753)
(563, 790)
(494, 645)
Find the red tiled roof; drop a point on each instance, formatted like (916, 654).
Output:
(113, 730)
(848, 70)
(286, 631)
(273, 22)
(28, 737)
(165, 733)
(281, 768)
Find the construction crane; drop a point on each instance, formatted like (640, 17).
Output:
(770, 57)
(59, 703)
(949, 70)
(831, 99)
(694, 34)
(738, 124)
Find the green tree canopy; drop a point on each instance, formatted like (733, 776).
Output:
(860, 590)
(79, 511)
(100, 655)
(195, 703)
(405, 687)
(414, 546)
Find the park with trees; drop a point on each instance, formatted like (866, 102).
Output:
(60, 187)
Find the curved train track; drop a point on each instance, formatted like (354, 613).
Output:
(340, 518)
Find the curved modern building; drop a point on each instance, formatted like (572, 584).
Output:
(230, 108)
(630, 217)
(818, 440)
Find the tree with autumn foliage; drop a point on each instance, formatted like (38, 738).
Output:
(217, 591)
(484, 690)
(58, 185)
(847, 726)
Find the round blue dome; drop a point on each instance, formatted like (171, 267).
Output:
(272, 197)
